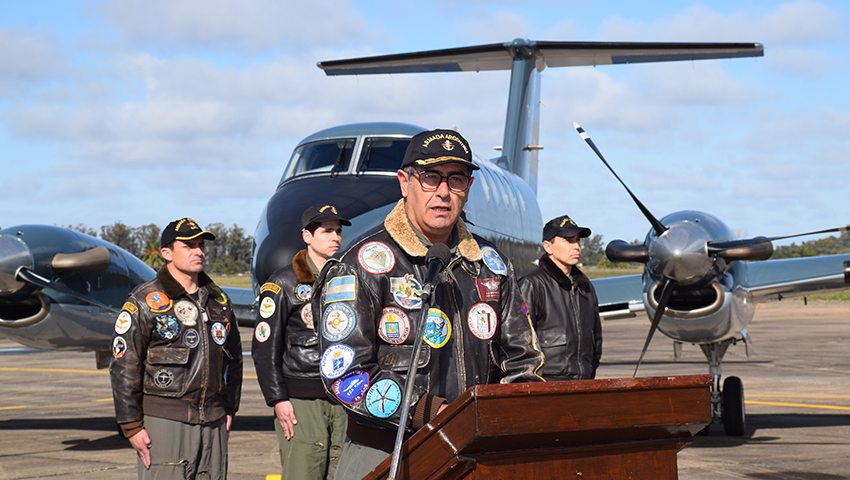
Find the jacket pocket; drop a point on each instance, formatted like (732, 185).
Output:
(397, 357)
(302, 355)
(166, 371)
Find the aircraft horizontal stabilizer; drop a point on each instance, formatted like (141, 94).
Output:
(500, 56)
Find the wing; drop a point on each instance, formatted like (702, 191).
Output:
(499, 56)
(794, 277)
(619, 297)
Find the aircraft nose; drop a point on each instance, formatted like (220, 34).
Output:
(14, 254)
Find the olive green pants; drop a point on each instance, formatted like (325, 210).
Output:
(180, 451)
(313, 452)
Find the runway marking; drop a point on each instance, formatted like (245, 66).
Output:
(802, 405)
(13, 408)
(793, 395)
(68, 370)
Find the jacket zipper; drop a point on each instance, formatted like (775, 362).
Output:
(577, 325)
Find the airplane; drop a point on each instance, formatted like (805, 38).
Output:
(353, 167)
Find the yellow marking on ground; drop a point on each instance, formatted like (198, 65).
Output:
(65, 370)
(104, 399)
(272, 477)
(799, 396)
(802, 405)
(14, 408)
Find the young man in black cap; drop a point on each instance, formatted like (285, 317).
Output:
(310, 428)
(367, 304)
(177, 367)
(562, 305)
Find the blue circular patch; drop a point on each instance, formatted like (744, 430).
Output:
(303, 292)
(383, 398)
(438, 328)
(335, 360)
(191, 338)
(167, 327)
(351, 387)
(338, 322)
(494, 261)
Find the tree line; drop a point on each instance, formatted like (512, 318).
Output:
(229, 253)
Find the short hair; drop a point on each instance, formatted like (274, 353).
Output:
(312, 226)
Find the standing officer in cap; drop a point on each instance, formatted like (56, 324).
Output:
(368, 300)
(310, 428)
(177, 367)
(562, 305)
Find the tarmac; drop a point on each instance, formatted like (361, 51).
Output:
(57, 419)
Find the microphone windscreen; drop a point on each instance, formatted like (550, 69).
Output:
(438, 251)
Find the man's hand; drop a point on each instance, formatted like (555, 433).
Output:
(142, 443)
(227, 425)
(286, 416)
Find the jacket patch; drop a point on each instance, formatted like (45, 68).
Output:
(222, 299)
(338, 322)
(167, 327)
(395, 326)
(352, 386)
(267, 307)
(307, 316)
(270, 287)
(163, 378)
(438, 328)
(262, 332)
(191, 338)
(335, 360)
(376, 258)
(119, 347)
(488, 289)
(303, 292)
(158, 301)
(187, 312)
(123, 322)
(130, 307)
(407, 291)
(340, 289)
(383, 398)
(219, 333)
(494, 261)
(482, 321)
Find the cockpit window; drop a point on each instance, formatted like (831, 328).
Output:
(382, 154)
(317, 157)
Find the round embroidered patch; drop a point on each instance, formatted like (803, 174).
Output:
(187, 312)
(335, 360)
(267, 307)
(351, 387)
(191, 338)
(303, 292)
(262, 332)
(163, 378)
(376, 257)
(338, 322)
(395, 326)
(307, 316)
(122, 324)
(482, 321)
(407, 291)
(119, 347)
(494, 261)
(438, 328)
(158, 301)
(219, 333)
(383, 398)
(167, 327)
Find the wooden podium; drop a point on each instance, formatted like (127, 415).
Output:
(588, 429)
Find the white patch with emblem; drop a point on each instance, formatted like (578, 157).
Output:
(307, 316)
(122, 324)
(376, 258)
(267, 307)
(494, 261)
(482, 321)
(187, 312)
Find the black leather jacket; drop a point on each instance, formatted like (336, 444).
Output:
(285, 347)
(172, 359)
(565, 314)
(366, 306)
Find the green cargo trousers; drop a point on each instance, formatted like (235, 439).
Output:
(313, 452)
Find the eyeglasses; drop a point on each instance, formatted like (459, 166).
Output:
(431, 180)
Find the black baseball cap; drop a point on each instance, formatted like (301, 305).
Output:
(183, 229)
(563, 226)
(321, 213)
(436, 147)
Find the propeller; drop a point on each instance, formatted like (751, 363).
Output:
(722, 247)
(666, 295)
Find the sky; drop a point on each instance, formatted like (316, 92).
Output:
(144, 112)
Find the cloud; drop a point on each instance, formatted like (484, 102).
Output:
(28, 57)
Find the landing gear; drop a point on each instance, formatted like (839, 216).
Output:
(727, 406)
(734, 417)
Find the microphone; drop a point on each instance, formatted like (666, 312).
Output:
(437, 258)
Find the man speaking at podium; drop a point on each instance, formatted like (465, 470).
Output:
(369, 301)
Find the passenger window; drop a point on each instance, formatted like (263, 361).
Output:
(382, 154)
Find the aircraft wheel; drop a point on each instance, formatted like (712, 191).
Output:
(734, 417)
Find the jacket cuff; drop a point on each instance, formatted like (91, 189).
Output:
(230, 411)
(426, 409)
(131, 428)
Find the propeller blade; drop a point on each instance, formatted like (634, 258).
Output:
(718, 247)
(659, 228)
(666, 294)
(28, 276)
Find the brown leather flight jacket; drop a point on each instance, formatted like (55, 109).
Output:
(173, 357)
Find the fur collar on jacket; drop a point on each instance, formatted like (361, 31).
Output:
(302, 268)
(399, 228)
(576, 275)
(173, 289)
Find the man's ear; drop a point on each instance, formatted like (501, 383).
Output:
(306, 236)
(403, 182)
(547, 246)
(167, 254)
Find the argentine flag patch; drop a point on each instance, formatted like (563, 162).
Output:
(340, 289)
